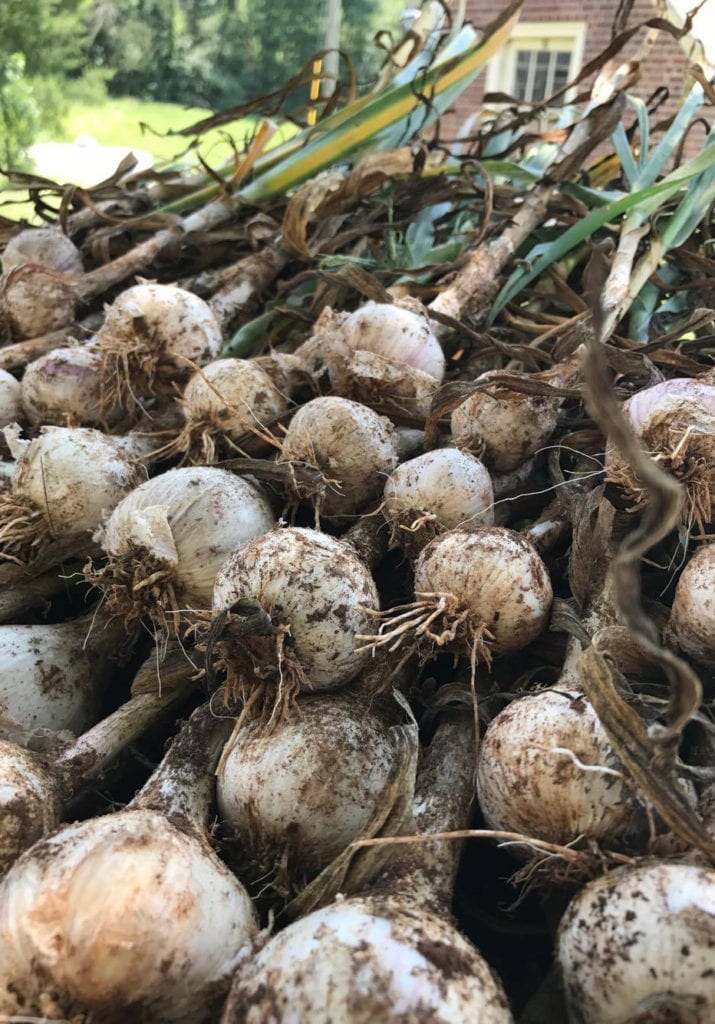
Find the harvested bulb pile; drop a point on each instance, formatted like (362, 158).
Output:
(357, 617)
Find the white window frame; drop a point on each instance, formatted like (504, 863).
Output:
(536, 35)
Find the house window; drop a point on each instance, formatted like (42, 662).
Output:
(538, 59)
(540, 73)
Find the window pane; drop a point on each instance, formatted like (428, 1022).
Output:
(523, 60)
(561, 71)
(539, 73)
(538, 89)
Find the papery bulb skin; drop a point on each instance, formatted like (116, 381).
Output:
(83, 471)
(636, 946)
(675, 422)
(496, 576)
(352, 446)
(446, 489)
(153, 336)
(66, 481)
(182, 524)
(35, 301)
(64, 388)
(54, 676)
(49, 247)
(692, 618)
(30, 804)
(313, 585)
(10, 400)
(367, 959)
(226, 399)
(302, 793)
(385, 355)
(525, 786)
(504, 428)
(125, 916)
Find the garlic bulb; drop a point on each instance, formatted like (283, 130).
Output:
(383, 355)
(315, 590)
(362, 960)
(504, 428)
(637, 945)
(441, 490)
(175, 531)
(64, 387)
(477, 594)
(10, 400)
(221, 402)
(675, 421)
(130, 915)
(353, 447)
(49, 247)
(692, 619)
(152, 336)
(34, 788)
(65, 481)
(54, 676)
(30, 802)
(301, 794)
(546, 769)
(35, 301)
(390, 954)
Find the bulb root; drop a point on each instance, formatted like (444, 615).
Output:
(689, 462)
(136, 587)
(263, 674)
(23, 530)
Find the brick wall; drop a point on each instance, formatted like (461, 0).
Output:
(666, 64)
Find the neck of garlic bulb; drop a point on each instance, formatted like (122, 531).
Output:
(183, 784)
(35, 787)
(90, 754)
(444, 793)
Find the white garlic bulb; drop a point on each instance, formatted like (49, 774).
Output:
(637, 945)
(304, 791)
(547, 769)
(692, 619)
(315, 587)
(367, 959)
(351, 445)
(446, 489)
(383, 354)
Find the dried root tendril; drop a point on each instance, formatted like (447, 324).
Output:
(413, 529)
(134, 366)
(689, 464)
(136, 587)
(307, 481)
(433, 620)
(551, 862)
(23, 530)
(263, 674)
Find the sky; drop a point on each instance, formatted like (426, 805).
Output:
(703, 25)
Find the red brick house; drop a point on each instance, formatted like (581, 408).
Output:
(554, 39)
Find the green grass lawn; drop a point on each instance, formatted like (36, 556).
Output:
(118, 122)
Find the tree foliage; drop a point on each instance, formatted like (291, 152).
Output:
(218, 53)
(42, 43)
